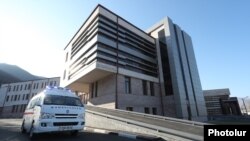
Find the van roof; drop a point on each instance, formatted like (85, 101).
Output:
(59, 91)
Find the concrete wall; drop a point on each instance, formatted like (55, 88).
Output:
(137, 99)
(105, 92)
(7, 113)
(169, 106)
(188, 98)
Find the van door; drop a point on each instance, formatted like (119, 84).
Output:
(28, 114)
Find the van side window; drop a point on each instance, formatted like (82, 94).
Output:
(30, 105)
(33, 103)
(38, 101)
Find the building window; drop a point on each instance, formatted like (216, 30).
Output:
(27, 96)
(51, 83)
(146, 110)
(152, 89)
(66, 58)
(129, 108)
(15, 98)
(29, 86)
(13, 108)
(14, 88)
(144, 87)
(34, 86)
(25, 88)
(18, 97)
(42, 85)
(17, 87)
(64, 74)
(92, 90)
(21, 108)
(54, 83)
(127, 85)
(154, 111)
(7, 98)
(21, 87)
(16, 110)
(9, 89)
(37, 84)
(23, 96)
(11, 97)
(96, 88)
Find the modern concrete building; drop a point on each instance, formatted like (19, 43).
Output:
(114, 64)
(178, 72)
(219, 102)
(14, 97)
(244, 105)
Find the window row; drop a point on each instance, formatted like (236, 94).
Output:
(19, 97)
(147, 110)
(145, 87)
(28, 86)
(18, 108)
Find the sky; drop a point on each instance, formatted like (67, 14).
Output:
(33, 34)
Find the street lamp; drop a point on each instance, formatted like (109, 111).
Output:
(245, 104)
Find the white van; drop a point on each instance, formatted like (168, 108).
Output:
(53, 110)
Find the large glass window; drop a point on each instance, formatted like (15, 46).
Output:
(92, 90)
(146, 110)
(127, 85)
(129, 108)
(152, 89)
(144, 87)
(7, 99)
(62, 100)
(96, 88)
(154, 111)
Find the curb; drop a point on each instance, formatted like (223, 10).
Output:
(124, 134)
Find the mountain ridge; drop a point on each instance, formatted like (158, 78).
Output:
(13, 73)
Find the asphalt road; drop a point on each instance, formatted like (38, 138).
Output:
(10, 131)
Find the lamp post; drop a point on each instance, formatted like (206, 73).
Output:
(245, 104)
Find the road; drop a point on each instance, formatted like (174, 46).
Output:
(10, 131)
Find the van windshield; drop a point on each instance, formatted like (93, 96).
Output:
(62, 100)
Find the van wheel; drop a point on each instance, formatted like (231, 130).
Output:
(31, 133)
(22, 128)
(74, 133)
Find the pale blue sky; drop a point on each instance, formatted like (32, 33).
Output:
(33, 33)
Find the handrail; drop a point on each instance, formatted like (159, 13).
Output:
(177, 134)
(193, 123)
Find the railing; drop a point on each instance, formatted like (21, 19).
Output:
(157, 130)
(188, 122)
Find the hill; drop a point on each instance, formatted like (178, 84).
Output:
(13, 73)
